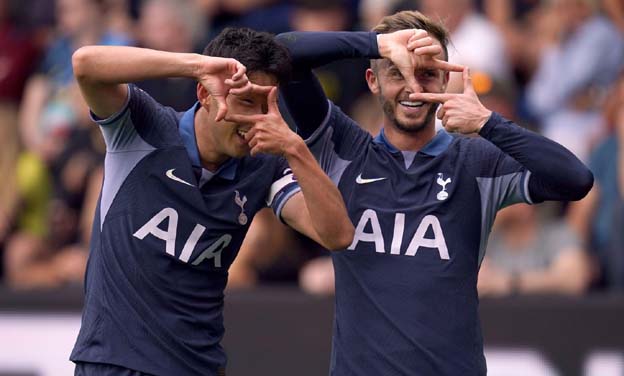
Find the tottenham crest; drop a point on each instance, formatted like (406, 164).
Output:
(443, 194)
(242, 217)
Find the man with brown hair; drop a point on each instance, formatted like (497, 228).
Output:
(423, 202)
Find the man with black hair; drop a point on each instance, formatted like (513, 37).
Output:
(179, 193)
(423, 202)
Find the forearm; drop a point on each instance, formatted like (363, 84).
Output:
(304, 95)
(323, 200)
(310, 50)
(120, 64)
(556, 174)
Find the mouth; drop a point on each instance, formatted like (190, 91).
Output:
(411, 104)
(242, 132)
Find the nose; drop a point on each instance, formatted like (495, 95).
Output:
(413, 87)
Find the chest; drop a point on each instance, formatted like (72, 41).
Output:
(430, 211)
(170, 215)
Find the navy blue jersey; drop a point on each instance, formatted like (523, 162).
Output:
(164, 235)
(406, 298)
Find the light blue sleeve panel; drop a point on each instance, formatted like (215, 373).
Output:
(502, 182)
(125, 148)
(337, 142)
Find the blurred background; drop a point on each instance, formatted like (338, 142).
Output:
(551, 285)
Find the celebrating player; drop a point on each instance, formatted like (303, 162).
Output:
(179, 193)
(423, 202)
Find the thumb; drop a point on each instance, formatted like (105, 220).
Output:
(468, 88)
(273, 108)
(221, 108)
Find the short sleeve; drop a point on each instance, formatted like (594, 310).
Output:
(283, 187)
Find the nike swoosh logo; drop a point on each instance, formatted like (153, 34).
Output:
(171, 176)
(360, 180)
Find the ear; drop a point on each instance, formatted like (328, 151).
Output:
(203, 96)
(371, 80)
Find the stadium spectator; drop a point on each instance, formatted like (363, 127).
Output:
(18, 53)
(475, 41)
(48, 104)
(528, 255)
(598, 217)
(581, 53)
(55, 255)
(169, 25)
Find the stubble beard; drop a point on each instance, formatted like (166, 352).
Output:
(409, 128)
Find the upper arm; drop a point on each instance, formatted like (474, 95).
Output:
(104, 99)
(306, 102)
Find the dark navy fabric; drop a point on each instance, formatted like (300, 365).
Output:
(406, 299)
(162, 245)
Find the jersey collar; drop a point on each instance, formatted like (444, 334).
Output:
(439, 143)
(187, 132)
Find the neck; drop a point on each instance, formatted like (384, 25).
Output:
(408, 141)
(211, 159)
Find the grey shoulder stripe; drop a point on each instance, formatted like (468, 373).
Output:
(117, 167)
(496, 193)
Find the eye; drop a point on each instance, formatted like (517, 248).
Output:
(246, 101)
(395, 74)
(428, 74)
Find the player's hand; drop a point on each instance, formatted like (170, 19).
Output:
(463, 112)
(412, 49)
(269, 132)
(219, 76)
(424, 51)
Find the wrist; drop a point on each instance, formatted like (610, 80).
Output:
(487, 114)
(294, 147)
(382, 47)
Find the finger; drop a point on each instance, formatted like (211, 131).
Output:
(240, 71)
(441, 113)
(414, 43)
(240, 82)
(243, 119)
(468, 88)
(432, 97)
(417, 34)
(221, 108)
(252, 142)
(251, 89)
(446, 66)
(251, 133)
(272, 101)
(432, 50)
(247, 88)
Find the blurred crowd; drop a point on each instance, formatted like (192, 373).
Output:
(553, 66)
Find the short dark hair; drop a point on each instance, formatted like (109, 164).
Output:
(257, 51)
(411, 19)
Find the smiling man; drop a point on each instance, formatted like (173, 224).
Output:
(423, 202)
(179, 193)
